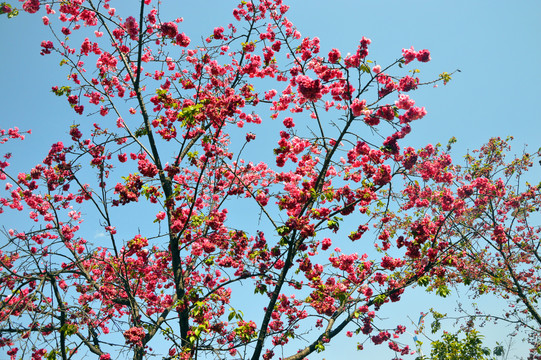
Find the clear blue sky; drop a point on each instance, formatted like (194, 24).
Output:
(495, 44)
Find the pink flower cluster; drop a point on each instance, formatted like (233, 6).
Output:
(132, 28)
(334, 56)
(31, 6)
(308, 88)
(357, 107)
(134, 336)
(410, 55)
(46, 47)
(169, 29)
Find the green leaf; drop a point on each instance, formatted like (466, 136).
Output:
(423, 281)
(142, 131)
(365, 68)
(282, 230)
(498, 350)
(443, 291)
(446, 77)
(380, 299)
(51, 355)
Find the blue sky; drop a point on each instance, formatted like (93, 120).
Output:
(495, 44)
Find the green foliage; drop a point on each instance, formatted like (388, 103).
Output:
(320, 347)
(187, 115)
(450, 347)
(51, 355)
(466, 344)
(423, 280)
(443, 290)
(365, 68)
(446, 77)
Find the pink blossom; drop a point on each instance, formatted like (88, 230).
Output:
(383, 175)
(182, 40)
(106, 62)
(118, 33)
(326, 244)
(31, 6)
(334, 56)
(365, 42)
(248, 47)
(404, 102)
(46, 47)
(79, 109)
(73, 99)
(357, 107)
(423, 56)
(218, 33)
(169, 29)
(409, 55)
(152, 16)
(288, 122)
(415, 113)
(408, 83)
(308, 88)
(160, 216)
(147, 168)
(134, 336)
(132, 28)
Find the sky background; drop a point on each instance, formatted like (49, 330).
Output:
(495, 44)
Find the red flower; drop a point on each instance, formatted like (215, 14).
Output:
(169, 29)
(218, 33)
(31, 6)
(182, 40)
(408, 83)
(134, 336)
(132, 28)
(308, 88)
(47, 46)
(409, 55)
(334, 56)
(423, 55)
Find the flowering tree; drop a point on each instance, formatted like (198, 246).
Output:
(492, 222)
(302, 229)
